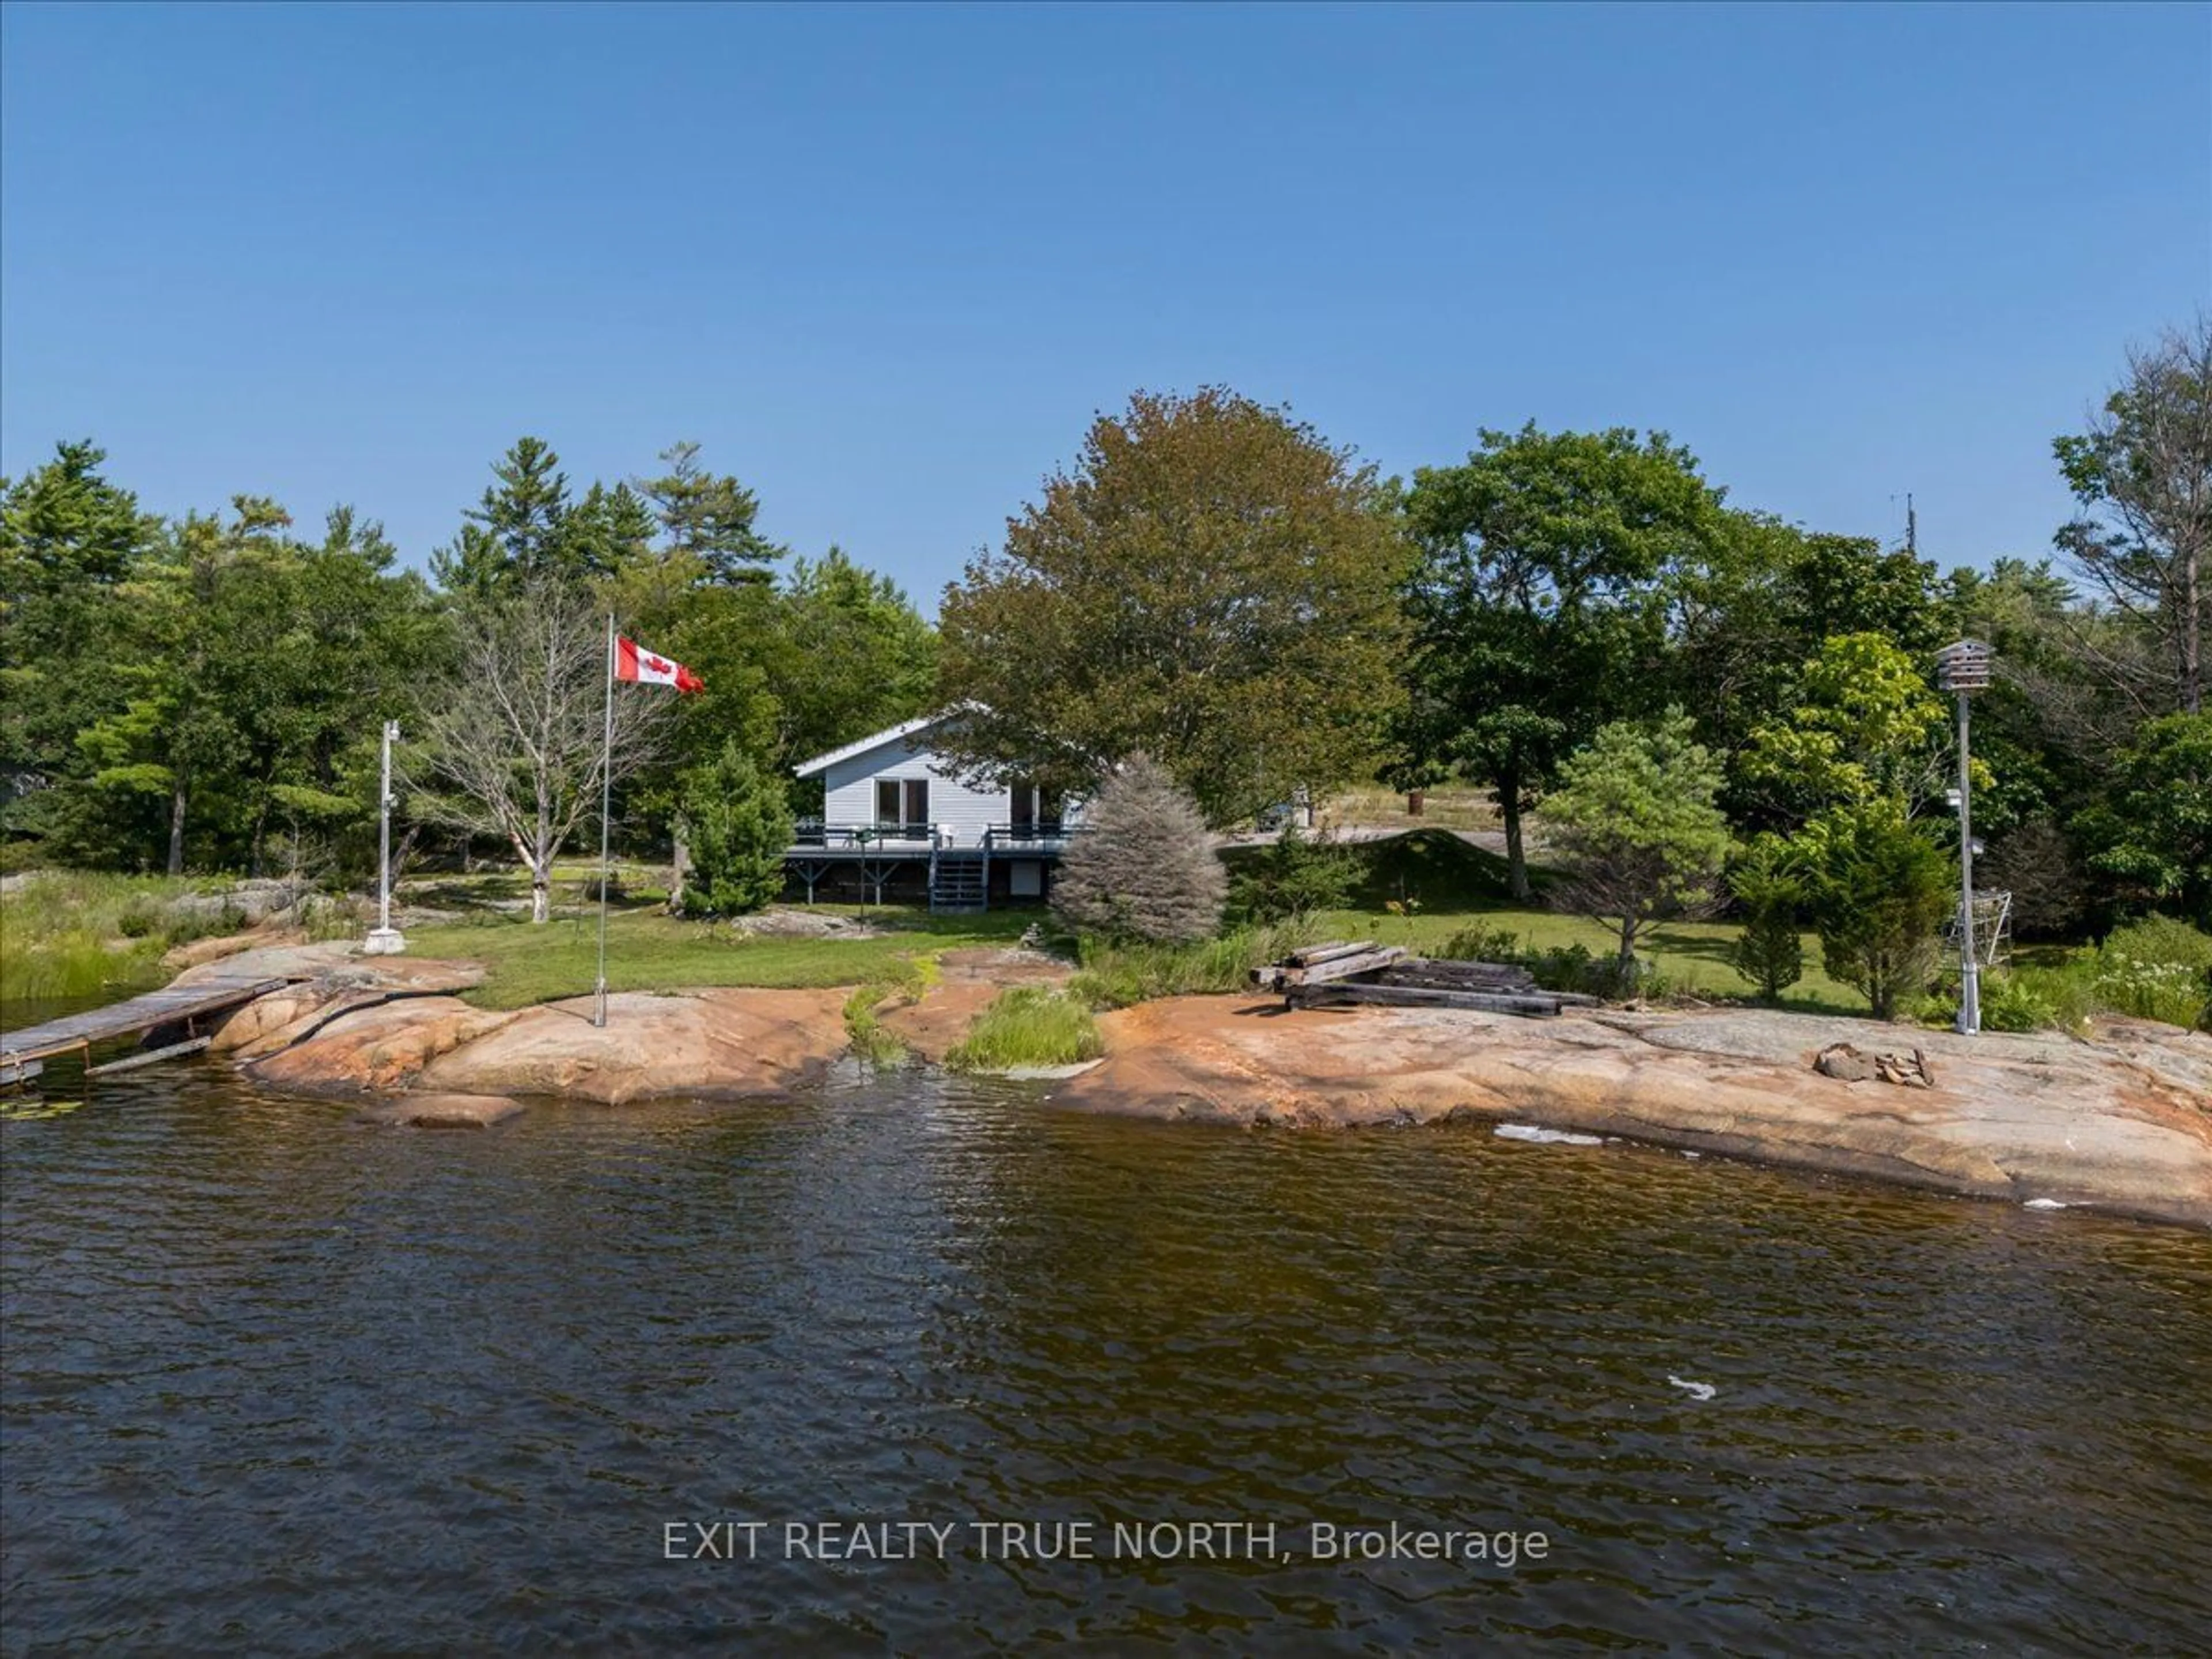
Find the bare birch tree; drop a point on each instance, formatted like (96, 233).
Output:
(2142, 474)
(513, 746)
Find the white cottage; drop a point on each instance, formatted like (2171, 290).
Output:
(897, 821)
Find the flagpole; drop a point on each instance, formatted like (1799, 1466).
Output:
(606, 808)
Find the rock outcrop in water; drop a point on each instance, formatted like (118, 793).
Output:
(2125, 1123)
(715, 1044)
(357, 1026)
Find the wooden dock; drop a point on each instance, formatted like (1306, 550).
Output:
(179, 1010)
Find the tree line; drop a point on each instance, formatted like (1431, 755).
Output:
(209, 692)
(1582, 622)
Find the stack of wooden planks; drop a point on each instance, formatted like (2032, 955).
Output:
(1318, 964)
(1365, 972)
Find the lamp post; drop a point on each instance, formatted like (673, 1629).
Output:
(384, 939)
(1962, 670)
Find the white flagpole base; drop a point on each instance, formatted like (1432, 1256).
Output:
(384, 942)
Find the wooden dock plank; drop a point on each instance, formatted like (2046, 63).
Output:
(151, 1057)
(1338, 968)
(1314, 954)
(168, 1006)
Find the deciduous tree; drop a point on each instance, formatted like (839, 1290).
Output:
(848, 653)
(1760, 597)
(511, 746)
(2154, 835)
(201, 619)
(1213, 583)
(2142, 475)
(69, 539)
(1537, 598)
(1866, 726)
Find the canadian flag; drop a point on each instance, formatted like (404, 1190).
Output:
(635, 663)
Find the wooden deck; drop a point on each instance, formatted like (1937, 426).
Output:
(22, 1053)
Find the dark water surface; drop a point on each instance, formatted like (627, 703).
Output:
(273, 1383)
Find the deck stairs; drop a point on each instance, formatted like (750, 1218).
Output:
(958, 885)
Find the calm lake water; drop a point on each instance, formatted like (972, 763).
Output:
(275, 1382)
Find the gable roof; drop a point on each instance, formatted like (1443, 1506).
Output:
(823, 762)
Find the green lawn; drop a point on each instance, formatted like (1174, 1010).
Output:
(1692, 956)
(647, 951)
(1419, 889)
(1441, 884)
(1416, 890)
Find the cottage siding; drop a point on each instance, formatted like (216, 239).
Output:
(850, 790)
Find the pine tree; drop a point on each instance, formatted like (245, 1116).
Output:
(738, 824)
(1143, 867)
(1293, 878)
(606, 531)
(709, 518)
(514, 535)
(1770, 951)
(69, 539)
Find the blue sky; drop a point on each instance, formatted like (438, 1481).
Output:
(885, 264)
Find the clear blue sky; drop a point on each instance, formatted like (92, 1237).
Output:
(884, 263)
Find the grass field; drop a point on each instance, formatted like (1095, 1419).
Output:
(1691, 957)
(649, 951)
(86, 933)
(1417, 890)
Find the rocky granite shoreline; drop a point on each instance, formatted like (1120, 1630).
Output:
(2121, 1123)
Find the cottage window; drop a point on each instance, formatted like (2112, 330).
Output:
(1032, 807)
(902, 804)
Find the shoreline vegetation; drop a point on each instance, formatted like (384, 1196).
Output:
(72, 934)
(1617, 705)
(485, 1008)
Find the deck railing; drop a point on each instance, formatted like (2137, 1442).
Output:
(1043, 836)
(1046, 834)
(862, 837)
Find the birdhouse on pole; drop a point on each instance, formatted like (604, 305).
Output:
(1963, 668)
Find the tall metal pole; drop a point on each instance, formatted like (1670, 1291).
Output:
(384, 836)
(1969, 989)
(606, 808)
(384, 941)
